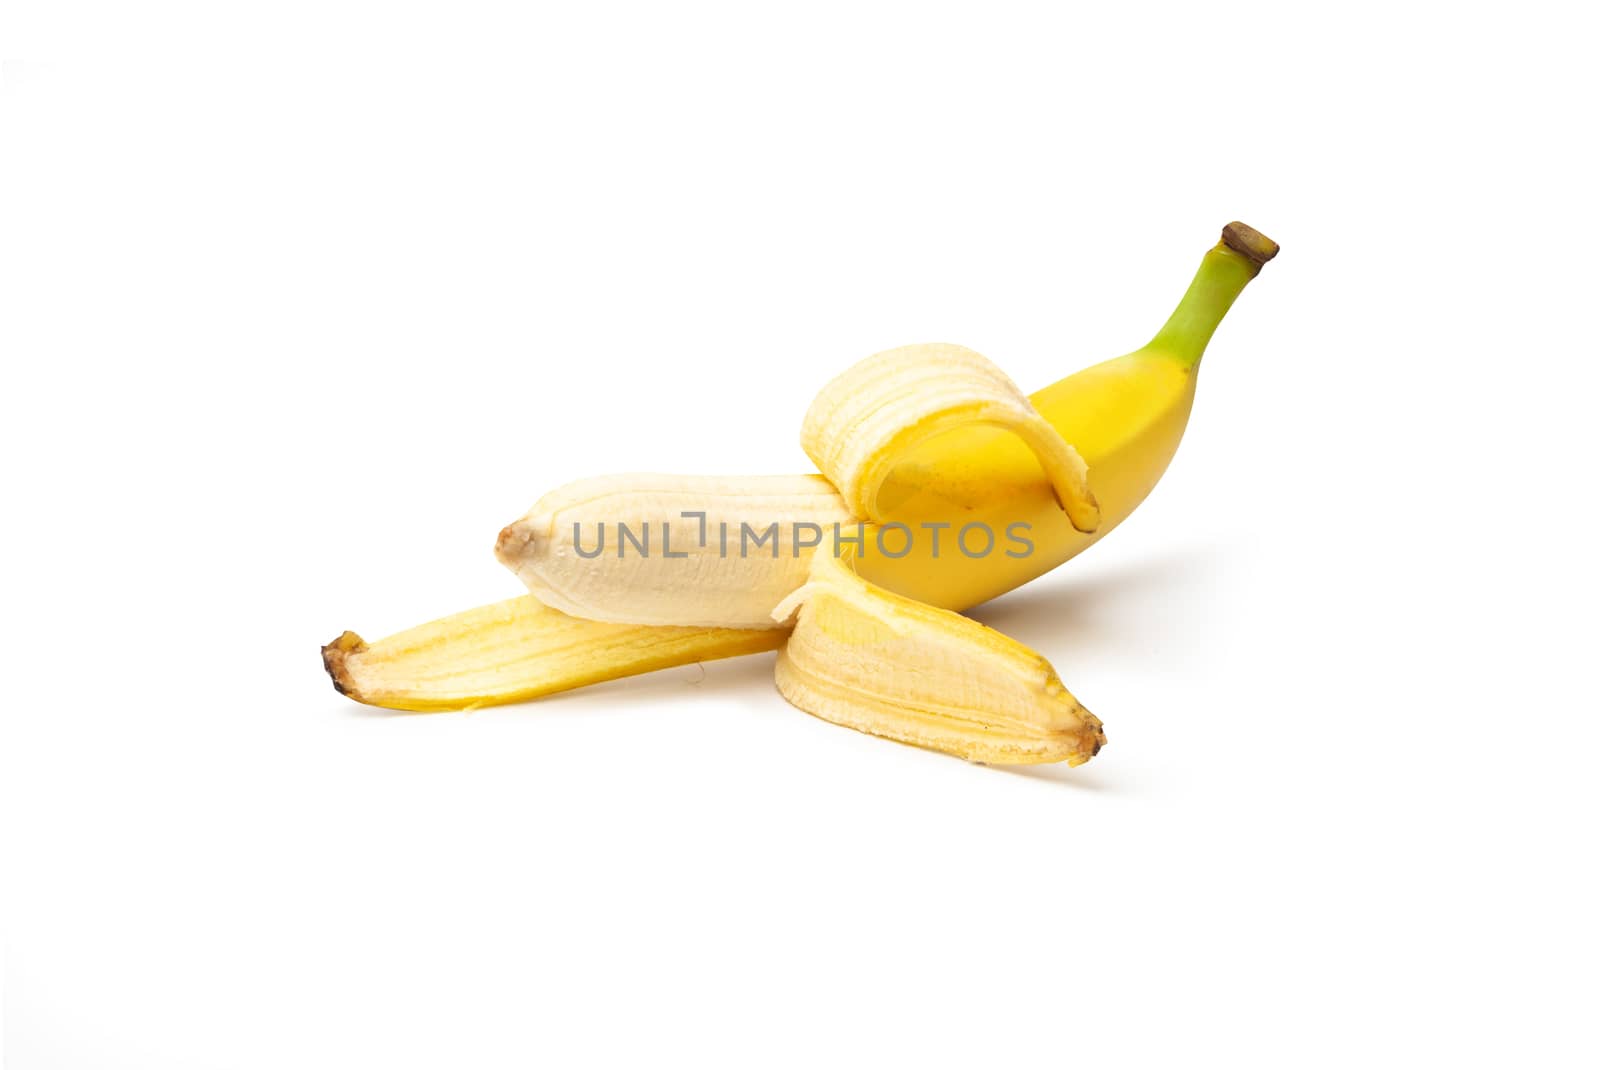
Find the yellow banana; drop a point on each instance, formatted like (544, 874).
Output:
(932, 441)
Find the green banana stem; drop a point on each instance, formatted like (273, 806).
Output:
(1223, 275)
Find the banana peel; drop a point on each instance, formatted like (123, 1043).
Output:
(516, 650)
(871, 660)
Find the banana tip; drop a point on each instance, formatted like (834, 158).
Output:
(513, 543)
(334, 657)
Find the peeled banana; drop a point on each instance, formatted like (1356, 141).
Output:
(941, 486)
(712, 551)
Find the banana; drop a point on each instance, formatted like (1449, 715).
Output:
(931, 440)
(870, 660)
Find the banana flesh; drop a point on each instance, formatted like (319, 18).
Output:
(871, 660)
(513, 651)
(708, 551)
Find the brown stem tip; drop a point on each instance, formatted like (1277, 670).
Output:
(334, 656)
(1249, 242)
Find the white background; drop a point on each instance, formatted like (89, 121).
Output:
(302, 303)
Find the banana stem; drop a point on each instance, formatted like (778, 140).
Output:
(1223, 275)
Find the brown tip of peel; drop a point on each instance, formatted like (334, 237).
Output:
(1249, 243)
(1090, 739)
(334, 656)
